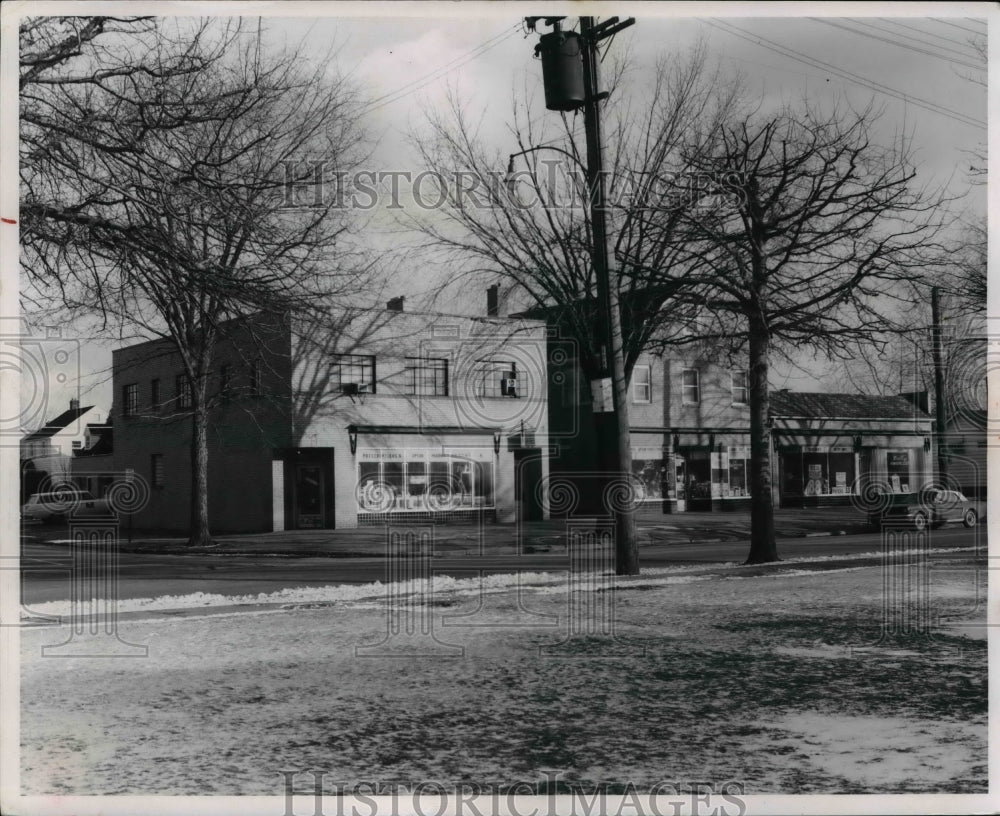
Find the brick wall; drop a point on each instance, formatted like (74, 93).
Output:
(301, 408)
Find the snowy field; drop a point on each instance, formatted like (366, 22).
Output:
(784, 682)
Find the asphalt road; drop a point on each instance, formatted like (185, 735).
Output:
(46, 569)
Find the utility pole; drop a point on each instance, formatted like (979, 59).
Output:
(940, 414)
(613, 421)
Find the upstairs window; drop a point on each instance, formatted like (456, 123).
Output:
(496, 378)
(740, 387)
(642, 388)
(353, 370)
(427, 376)
(690, 387)
(130, 399)
(183, 392)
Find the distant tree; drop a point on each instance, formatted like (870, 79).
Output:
(810, 235)
(166, 205)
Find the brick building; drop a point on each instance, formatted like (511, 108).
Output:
(378, 414)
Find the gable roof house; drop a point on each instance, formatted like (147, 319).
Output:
(51, 447)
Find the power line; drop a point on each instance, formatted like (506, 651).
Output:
(878, 87)
(898, 44)
(437, 73)
(894, 22)
(961, 28)
(498, 37)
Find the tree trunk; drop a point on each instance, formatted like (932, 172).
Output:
(200, 534)
(762, 544)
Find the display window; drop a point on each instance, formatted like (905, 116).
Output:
(648, 467)
(739, 473)
(818, 471)
(898, 470)
(422, 480)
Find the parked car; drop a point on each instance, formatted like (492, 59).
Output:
(931, 508)
(58, 505)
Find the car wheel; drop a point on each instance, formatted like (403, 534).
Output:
(970, 518)
(920, 521)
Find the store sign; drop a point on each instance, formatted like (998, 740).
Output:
(601, 395)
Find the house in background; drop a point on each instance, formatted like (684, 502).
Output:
(93, 466)
(386, 414)
(51, 448)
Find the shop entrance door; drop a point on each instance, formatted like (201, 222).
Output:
(527, 475)
(310, 497)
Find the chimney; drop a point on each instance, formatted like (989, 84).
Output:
(395, 304)
(74, 405)
(493, 300)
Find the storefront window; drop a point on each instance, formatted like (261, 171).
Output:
(814, 466)
(841, 471)
(898, 469)
(739, 471)
(818, 471)
(423, 480)
(648, 469)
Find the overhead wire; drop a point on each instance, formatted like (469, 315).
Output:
(898, 44)
(980, 33)
(453, 65)
(895, 23)
(857, 79)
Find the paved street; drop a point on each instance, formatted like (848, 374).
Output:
(151, 574)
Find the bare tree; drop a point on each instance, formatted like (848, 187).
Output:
(531, 225)
(168, 202)
(69, 68)
(809, 236)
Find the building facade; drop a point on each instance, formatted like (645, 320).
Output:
(371, 416)
(690, 439)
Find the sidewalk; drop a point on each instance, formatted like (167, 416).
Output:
(496, 539)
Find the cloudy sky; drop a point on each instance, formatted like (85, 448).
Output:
(920, 64)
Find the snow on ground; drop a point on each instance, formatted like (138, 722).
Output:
(788, 686)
